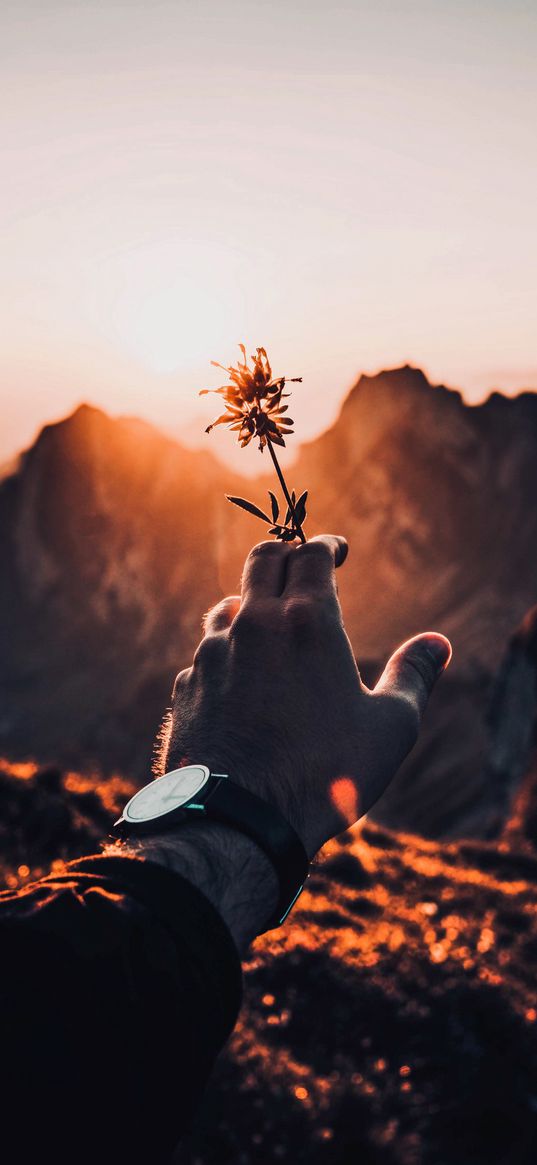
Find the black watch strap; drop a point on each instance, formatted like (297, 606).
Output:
(231, 804)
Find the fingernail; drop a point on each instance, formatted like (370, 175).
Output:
(440, 650)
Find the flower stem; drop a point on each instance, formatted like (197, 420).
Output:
(287, 495)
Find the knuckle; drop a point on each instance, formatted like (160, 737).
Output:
(266, 549)
(317, 551)
(247, 622)
(299, 612)
(219, 614)
(207, 652)
(230, 602)
(311, 611)
(210, 616)
(181, 682)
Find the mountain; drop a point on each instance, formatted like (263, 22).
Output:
(439, 502)
(109, 537)
(114, 540)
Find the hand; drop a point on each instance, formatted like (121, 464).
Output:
(274, 697)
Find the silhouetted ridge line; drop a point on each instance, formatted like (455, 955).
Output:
(114, 540)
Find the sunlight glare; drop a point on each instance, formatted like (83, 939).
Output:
(169, 306)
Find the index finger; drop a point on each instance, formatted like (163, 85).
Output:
(311, 567)
(264, 571)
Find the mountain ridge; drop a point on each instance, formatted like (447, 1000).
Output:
(114, 540)
(11, 465)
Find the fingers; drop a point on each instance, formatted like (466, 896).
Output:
(414, 668)
(274, 567)
(264, 570)
(311, 567)
(219, 618)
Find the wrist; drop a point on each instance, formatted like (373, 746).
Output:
(227, 866)
(271, 778)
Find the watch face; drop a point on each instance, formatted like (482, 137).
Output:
(166, 793)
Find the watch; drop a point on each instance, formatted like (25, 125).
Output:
(193, 793)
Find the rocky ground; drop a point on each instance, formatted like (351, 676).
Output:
(393, 1021)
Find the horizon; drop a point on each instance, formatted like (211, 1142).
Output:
(351, 188)
(227, 453)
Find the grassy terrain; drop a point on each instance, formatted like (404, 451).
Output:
(393, 1021)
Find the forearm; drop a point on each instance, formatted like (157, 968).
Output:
(225, 865)
(107, 968)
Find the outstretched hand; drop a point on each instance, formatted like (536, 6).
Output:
(274, 696)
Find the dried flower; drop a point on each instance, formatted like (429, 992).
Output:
(254, 409)
(254, 401)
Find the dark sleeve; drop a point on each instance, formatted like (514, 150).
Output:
(119, 984)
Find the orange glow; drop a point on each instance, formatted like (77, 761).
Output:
(422, 899)
(405, 923)
(23, 770)
(486, 940)
(168, 190)
(113, 791)
(344, 797)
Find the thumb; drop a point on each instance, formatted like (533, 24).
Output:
(414, 668)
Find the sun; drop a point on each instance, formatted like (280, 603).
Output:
(168, 326)
(168, 304)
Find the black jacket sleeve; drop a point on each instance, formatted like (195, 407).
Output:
(119, 984)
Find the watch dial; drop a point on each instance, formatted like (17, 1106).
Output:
(166, 793)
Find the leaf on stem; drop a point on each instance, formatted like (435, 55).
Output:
(288, 514)
(249, 506)
(300, 508)
(275, 506)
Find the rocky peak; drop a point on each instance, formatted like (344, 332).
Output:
(114, 540)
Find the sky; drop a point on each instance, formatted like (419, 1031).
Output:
(351, 185)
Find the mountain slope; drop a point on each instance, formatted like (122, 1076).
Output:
(439, 502)
(114, 540)
(108, 541)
